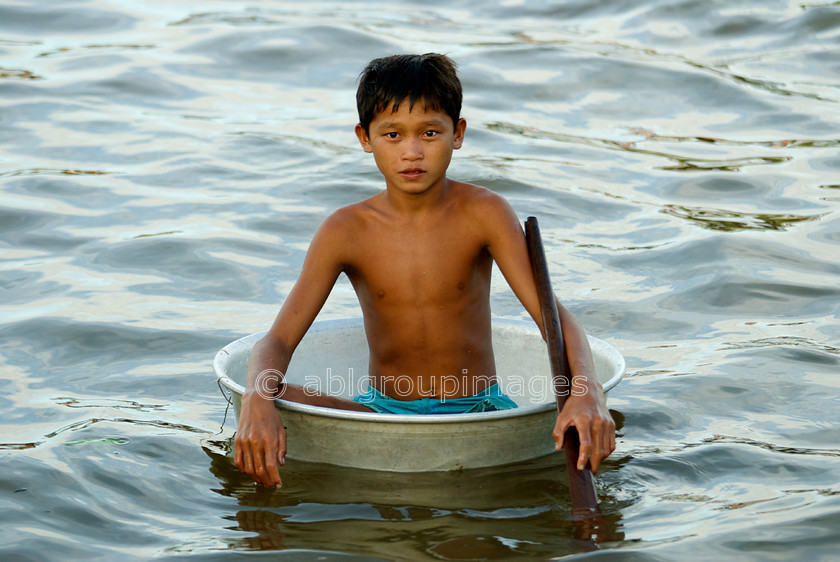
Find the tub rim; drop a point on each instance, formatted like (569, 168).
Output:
(374, 417)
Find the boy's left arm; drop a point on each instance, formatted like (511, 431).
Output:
(585, 407)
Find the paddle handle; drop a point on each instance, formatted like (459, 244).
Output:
(581, 488)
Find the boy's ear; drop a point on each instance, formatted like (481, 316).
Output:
(460, 128)
(363, 137)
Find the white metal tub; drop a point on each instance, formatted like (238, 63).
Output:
(333, 357)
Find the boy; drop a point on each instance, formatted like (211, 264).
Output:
(419, 256)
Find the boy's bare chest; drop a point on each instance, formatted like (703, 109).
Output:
(420, 268)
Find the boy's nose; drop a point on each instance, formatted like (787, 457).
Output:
(413, 149)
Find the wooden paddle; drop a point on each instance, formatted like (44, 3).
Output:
(584, 501)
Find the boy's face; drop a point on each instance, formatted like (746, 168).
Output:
(412, 148)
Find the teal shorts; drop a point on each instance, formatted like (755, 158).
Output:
(488, 400)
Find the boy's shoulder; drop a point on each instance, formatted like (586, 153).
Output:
(355, 213)
(479, 201)
(347, 223)
(468, 200)
(471, 191)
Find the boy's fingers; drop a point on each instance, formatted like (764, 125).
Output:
(595, 460)
(237, 453)
(585, 449)
(606, 438)
(281, 446)
(272, 474)
(258, 473)
(255, 465)
(281, 452)
(559, 433)
(247, 463)
(598, 449)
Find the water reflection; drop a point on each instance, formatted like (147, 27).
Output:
(681, 163)
(498, 512)
(18, 74)
(731, 221)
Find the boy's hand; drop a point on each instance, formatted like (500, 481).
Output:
(260, 444)
(596, 428)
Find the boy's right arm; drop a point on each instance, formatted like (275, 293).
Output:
(260, 443)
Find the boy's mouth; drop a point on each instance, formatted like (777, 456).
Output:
(412, 173)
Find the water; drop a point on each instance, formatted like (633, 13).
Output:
(164, 164)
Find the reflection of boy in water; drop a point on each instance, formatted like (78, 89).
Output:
(419, 255)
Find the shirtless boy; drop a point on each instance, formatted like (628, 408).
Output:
(419, 256)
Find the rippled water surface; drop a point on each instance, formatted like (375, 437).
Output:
(163, 166)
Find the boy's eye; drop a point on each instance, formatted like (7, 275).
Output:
(430, 133)
(391, 135)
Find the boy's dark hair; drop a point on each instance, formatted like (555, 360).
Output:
(430, 77)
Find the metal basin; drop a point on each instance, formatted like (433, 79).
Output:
(333, 357)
